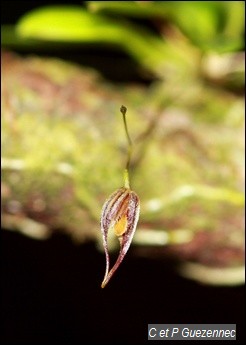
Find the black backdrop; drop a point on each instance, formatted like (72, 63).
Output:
(51, 295)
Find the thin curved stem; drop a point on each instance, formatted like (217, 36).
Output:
(123, 110)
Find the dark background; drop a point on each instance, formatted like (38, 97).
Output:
(51, 295)
(51, 289)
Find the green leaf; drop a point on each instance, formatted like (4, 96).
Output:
(65, 23)
(210, 25)
(73, 24)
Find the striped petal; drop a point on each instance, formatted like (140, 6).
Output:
(120, 213)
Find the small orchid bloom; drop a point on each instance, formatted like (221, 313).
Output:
(120, 213)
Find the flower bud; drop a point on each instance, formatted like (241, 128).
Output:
(120, 213)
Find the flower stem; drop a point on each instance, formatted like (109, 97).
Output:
(126, 179)
(123, 110)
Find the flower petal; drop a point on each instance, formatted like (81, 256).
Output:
(120, 212)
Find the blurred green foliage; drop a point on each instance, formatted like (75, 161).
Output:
(66, 146)
(211, 25)
(216, 26)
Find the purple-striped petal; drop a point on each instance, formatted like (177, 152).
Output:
(120, 213)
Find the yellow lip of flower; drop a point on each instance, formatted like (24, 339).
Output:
(120, 213)
(120, 226)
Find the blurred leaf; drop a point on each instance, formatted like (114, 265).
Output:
(10, 38)
(211, 25)
(199, 20)
(209, 29)
(142, 9)
(66, 23)
(73, 24)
